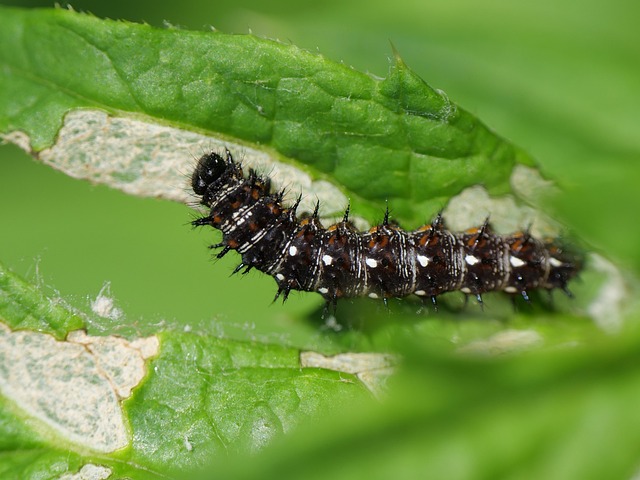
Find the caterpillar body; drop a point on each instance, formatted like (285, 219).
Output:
(384, 262)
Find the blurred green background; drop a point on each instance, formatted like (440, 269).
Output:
(557, 77)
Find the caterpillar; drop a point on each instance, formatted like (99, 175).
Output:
(384, 262)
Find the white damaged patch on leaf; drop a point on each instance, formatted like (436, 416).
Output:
(74, 386)
(613, 298)
(372, 369)
(150, 160)
(88, 472)
(507, 341)
(528, 184)
(474, 205)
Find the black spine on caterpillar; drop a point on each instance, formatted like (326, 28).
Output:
(384, 262)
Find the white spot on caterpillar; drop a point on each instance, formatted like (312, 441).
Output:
(510, 289)
(323, 290)
(554, 262)
(422, 260)
(420, 293)
(372, 369)
(280, 276)
(471, 260)
(516, 262)
(466, 290)
(327, 260)
(88, 472)
(371, 262)
(373, 295)
(150, 160)
(293, 251)
(74, 386)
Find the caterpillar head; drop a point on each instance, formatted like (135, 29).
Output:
(211, 167)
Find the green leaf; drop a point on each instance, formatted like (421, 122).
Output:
(557, 415)
(396, 138)
(196, 397)
(23, 307)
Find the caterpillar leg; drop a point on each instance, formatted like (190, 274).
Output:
(426, 301)
(284, 291)
(480, 301)
(330, 307)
